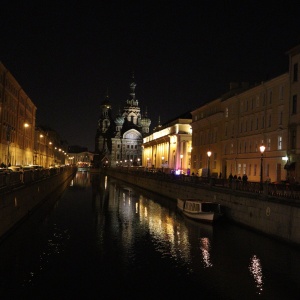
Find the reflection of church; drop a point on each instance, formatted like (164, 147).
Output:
(119, 140)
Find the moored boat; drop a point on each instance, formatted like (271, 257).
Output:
(204, 211)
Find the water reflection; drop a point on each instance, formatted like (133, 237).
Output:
(135, 217)
(256, 271)
(103, 233)
(205, 248)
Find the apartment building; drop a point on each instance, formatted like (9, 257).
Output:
(232, 129)
(17, 121)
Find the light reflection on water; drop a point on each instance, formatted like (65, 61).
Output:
(108, 232)
(256, 271)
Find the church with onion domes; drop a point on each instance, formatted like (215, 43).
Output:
(119, 139)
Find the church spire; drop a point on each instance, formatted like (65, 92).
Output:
(132, 87)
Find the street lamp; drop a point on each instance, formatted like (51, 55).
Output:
(181, 156)
(25, 126)
(262, 150)
(208, 163)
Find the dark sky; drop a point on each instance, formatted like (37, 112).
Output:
(66, 54)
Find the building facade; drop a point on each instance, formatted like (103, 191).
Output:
(234, 127)
(169, 147)
(17, 122)
(21, 141)
(119, 140)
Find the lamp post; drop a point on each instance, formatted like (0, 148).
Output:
(262, 150)
(24, 154)
(208, 163)
(181, 156)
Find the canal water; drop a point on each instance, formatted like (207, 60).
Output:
(105, 239)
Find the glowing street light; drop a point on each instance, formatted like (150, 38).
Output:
(262, 149)
(208, 163)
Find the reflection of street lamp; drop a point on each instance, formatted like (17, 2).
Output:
(138, 162)
(130, 163)
(262, 150)
(181, 156)
(208, 162)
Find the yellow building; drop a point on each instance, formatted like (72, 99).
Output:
(233, 127)
(169, 146)
(17, 121)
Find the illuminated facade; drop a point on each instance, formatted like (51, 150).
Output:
(234, 127)
(17, 122)
(49, 149)
(169, 147)
(119, 140)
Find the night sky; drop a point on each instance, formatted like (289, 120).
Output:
(67, 54)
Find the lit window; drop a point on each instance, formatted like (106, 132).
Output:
(280, 143)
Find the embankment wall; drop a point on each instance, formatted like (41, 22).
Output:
(279, 218)
(16, 204)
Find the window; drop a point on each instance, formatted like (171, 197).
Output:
(262, 121)
(270, 97)
(268, 144)
(257, 101)
(226, 112)
(279, 142)
(294, 105)
(295, 75)
(215, 161)
(255, 169)
(249, 170)
(244, 168)
(281, 93)
(280, 117)
(231, 148)
(270, 120)
(293, 139)
(239, 169)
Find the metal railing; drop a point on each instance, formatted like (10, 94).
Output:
(9, 180)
